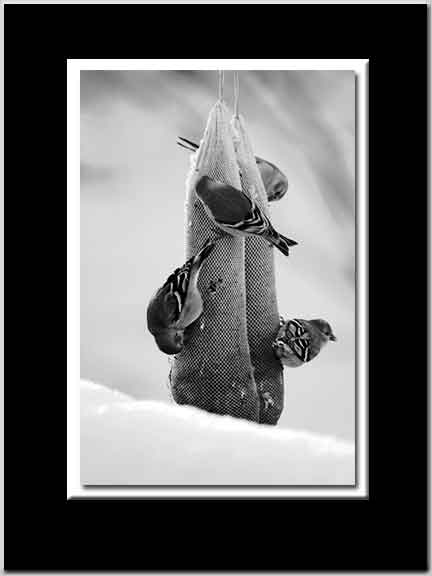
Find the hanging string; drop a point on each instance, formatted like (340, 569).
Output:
(220, 84)
(236, 94)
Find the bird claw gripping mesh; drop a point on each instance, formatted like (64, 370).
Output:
(228, 366)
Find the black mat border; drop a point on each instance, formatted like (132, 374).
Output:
(45, 532)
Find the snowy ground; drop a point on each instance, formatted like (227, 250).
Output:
(130, 442)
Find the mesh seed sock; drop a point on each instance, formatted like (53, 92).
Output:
(213, 371)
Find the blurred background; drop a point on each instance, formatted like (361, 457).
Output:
(132, 207)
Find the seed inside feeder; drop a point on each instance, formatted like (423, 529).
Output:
(214, 285)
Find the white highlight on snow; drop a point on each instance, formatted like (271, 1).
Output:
(129, 442)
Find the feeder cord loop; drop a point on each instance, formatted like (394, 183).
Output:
(236, 94)
(220, 84)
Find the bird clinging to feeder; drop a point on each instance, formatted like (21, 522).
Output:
(233, 211)
(177, 304)
(300, 341)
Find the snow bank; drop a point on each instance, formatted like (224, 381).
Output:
(129, 442)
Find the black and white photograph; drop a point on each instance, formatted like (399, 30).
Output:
(218, 219)
(218, 277)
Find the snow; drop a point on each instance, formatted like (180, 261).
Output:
(143, 442)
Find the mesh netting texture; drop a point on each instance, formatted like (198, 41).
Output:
(213, 371)
(261, 304)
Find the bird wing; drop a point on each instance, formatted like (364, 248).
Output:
(178, 283)
(255, 223)
(295, 328)
(301, 348)
(181, 304)
(227, 204)
(172, 303)
(298, 340)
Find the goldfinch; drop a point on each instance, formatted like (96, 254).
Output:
(234, 212)
(177, 304)
(275, 181)
(300, 341)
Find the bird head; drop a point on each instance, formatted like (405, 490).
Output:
(325, 329)
(170, 341)
(275, 182)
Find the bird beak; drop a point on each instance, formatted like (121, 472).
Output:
(333, 338)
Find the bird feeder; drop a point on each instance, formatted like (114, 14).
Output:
(228, 365)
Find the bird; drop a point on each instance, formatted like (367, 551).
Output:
(234, 212)
(177, 305)
(274, 180)
(300, 341)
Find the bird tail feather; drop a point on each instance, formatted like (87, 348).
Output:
(283, 243)
(188, 144)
